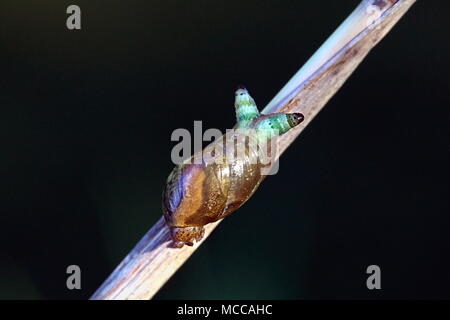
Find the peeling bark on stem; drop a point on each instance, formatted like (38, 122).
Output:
(153, 261)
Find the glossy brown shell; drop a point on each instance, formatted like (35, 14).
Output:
(198, 194)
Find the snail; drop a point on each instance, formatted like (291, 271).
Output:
(201, 191)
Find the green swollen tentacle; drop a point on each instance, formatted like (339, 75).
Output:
(280, 122)
(246, 109)
(275, 124)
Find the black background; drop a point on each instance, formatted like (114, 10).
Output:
(86, 119)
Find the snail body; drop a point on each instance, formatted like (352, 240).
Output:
(200, 191)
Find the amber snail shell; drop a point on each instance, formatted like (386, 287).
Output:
(198, 194)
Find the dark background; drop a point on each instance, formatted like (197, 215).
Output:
(86, 118)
